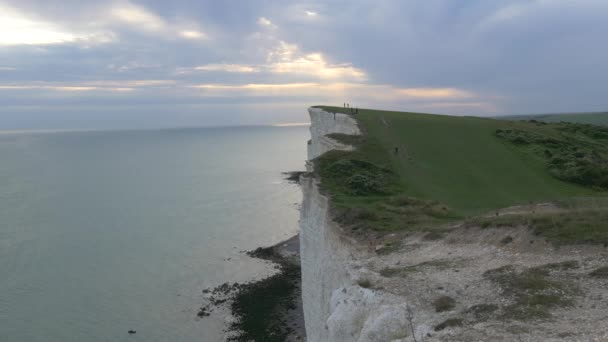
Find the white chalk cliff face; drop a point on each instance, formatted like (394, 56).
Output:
(336, 308)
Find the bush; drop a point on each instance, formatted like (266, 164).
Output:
(571, 156)
(444, 303)
(362, 184)
(342, 167)
(365, 283)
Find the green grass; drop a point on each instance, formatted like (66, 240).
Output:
(458, 161)
(532, 292)
(581, 221)
(576, 153)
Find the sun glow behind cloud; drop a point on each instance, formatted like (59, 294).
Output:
(232, 68)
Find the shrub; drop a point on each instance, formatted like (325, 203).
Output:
(362, 184)
(579, 153)
(364, 283)
(444, 303)
(342, 167)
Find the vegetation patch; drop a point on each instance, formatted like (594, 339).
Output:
(449, 323)
(366, 195)
(571, 226)
(353, 176)
(498, 221)
(259, 307)
(389, 248)
(348, 139)
(601, 272)
(365, 283)
(557, 266)
(506, 240)
(579, 226)
(532, 291)
(444, 303)
(576, 153)
(404, 271)
(293, 176)
(433, 235)
(482, 312)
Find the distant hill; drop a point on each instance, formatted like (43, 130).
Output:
(599, 118)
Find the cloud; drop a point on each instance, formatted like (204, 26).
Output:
(140, 18)
(63, 88)
(287, 59)
(351, 90)
(233, 68)
(464, 57)
(434, 93)
(18, 29)
(192, 34)
(112, 86)
(265, 22)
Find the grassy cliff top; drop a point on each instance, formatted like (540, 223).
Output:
(438, 167)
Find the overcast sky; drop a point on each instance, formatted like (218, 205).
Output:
(74, 64)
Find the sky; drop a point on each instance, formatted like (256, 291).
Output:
(74, 64)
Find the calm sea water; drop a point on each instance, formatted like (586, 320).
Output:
(103, 232)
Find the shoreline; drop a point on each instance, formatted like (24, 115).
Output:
(288, 252)
(269, 309)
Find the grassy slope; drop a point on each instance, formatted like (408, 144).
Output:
(459, 162)
(586, 118)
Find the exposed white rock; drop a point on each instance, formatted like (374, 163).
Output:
(324, 123)
(335, 307)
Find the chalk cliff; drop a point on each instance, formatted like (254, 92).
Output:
(336, 308)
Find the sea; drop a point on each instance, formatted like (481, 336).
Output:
(102, 232)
